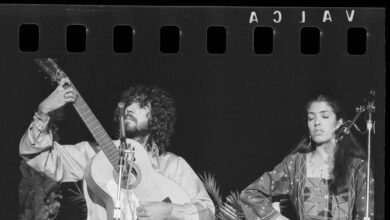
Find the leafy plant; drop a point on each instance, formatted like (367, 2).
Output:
(229, 209)
(39, 196)
(78, 198)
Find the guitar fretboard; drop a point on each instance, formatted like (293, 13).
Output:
(97, 130)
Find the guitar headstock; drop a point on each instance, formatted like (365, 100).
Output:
(51, 68)
(343, 130)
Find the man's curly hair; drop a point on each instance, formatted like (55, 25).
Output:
(163, 112)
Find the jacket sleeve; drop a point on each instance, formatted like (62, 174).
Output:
(256, 199)
(64, 163)
(201, 205)
(361, 193)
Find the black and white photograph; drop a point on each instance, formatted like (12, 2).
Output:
(125, 112)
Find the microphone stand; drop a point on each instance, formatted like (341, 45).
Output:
(345, 129)
(370, 109)
(122, 162)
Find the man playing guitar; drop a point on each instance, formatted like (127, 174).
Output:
(149, 121)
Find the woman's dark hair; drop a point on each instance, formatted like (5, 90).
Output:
(163, 113)
(346, 149)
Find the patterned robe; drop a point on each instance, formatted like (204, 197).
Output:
(289, 178)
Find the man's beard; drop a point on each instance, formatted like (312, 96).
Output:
(137, 132)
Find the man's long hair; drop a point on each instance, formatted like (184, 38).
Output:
(161, 124)
(346, 149)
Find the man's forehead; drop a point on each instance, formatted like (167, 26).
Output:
(138, 98)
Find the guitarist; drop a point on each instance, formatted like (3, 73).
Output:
(149, 120)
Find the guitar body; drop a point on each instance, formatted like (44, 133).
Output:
(152, 186)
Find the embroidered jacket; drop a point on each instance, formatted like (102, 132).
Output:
(289, 178)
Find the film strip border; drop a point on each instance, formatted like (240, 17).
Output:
(172, 30)
(170, 37)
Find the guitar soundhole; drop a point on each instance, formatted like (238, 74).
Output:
(130, 181)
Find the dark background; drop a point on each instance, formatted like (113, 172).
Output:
(239, 113)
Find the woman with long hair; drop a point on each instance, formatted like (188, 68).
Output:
(324, 177)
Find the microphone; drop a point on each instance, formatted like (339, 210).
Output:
(122, 133)
(371, 96)
(370, 102)
(370, 99)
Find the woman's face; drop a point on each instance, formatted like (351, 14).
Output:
(322, 122)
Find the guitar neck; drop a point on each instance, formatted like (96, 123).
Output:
(97, 130)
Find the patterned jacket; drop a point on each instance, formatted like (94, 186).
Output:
(288, 178)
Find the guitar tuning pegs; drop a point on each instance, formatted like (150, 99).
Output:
(360, 109)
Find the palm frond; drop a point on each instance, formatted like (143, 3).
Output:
(78, 197)
(224, 210)
(231, 209)
(212, 188)
(234, 200)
